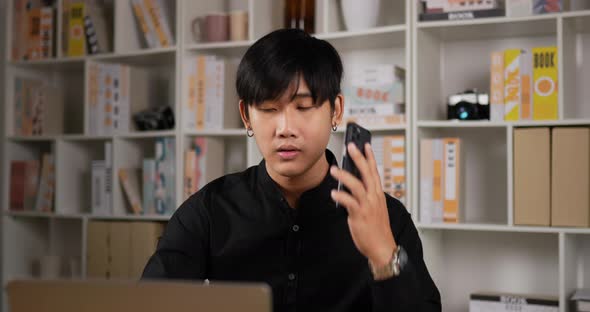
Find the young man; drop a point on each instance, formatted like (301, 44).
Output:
(278, 222)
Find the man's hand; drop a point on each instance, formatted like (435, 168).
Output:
(368, 218)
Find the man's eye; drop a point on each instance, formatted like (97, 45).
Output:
(304, 108)
(268, 110)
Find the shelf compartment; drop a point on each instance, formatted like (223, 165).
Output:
(447, 66)
(484, 194)
(490, 261)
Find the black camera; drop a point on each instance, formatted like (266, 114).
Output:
(469, 105)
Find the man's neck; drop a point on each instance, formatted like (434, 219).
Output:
(293, 187)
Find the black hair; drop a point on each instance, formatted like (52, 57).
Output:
(276, 61)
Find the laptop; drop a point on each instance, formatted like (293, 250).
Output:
(144, 296)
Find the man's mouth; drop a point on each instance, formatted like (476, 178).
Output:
(288, 152)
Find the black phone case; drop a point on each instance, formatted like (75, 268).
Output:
(359, 136)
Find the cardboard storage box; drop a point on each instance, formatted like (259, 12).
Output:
(532, 176)
(120, 249)
(570, 184)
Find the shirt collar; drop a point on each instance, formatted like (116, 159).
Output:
(316, 195)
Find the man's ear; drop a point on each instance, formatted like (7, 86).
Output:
(244, 114)
(338, 110)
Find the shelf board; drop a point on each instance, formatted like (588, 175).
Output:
(461, 124)
(146, 134)
(221, 132)
(131, 217)
(492, 28)
(487, 227)
(499, 124)
(36, 138)
(48, 215)
(374, 38)
(219, 45)
(401, 127)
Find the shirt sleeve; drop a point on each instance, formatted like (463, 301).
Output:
(413, 289)
(183, 248)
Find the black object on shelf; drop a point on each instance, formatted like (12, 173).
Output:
(463, 15)
(468, 105)
(156, 118)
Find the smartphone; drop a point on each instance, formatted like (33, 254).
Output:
(359, 136)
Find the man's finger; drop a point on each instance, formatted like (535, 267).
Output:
(362, 165)
(346, 200)
(356, 187)
(373, 165)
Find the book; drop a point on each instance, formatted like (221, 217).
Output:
(130, 182)
(546, 6)
(145, 23)
(46, 194)
(33, 41)
(452, 177)
(545, 84)
(375, 95)
(165, 175)
(32, 177)
(438, 6)
(98, 188)
(426, 180)
(438, 181)
(389, 151)
(47, 29)
(76, 36)
(526, 84)
(512, 84)
(157, 11)
(149, 186)
(100, 31)
(108, 162)
(494, 302)
(464, 15)
(497, 86)
(17, 185)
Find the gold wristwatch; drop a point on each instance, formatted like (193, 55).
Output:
(392, 268)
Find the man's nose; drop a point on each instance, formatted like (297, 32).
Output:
(286, 125)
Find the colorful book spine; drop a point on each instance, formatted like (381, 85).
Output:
(145, 23)
(190, 118)
(497, 87)
(46, 193)
(512, 84)
(108, 160)
(452, 176)
(526, 78)
(438, 179)
(395, 167)
(33, 50)
(32, 179)
(76, 34)
(160, 21)
(545, 84)
(130, 181)
(47, 32)
(93, 92)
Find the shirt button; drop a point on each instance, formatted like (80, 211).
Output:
(291, 276)
(295, 228)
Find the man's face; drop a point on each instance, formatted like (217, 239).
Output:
(292, 133)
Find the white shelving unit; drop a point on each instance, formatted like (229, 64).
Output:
(487, 252)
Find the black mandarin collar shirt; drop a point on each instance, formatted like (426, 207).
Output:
(240, 228)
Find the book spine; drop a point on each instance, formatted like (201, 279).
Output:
(47, 32)
(160, 195)
(157, 18)
(33, 43)
(76, 37)
(546, 84)
(108, 193)
(512, 85)
(191, 104)
(17, 185)
(200, 93)
(90, 33)
(32, 180)
(526, 85)
(426, 180)
(398, 167)
(140, 12)
(126, 176)
(451, 167)
(149, 186)
(497, 87)
(92, 87)
(437, 181)
(98, 176)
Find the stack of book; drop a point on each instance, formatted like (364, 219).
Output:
(38, 108)
(87, 27)
(211, 99)
(115, 93)
(390, 156)
(502, 302)
(32, 184)
(153, 19)
(102, 183)
(203, 162)
(375, 95)
(440, 180)
(156, 194)
(33, 35)
(524, 84)
(460, 9)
